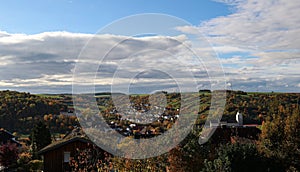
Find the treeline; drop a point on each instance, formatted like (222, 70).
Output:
(256, 107)
(19, 111)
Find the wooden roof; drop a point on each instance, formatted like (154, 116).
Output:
(61, 143)
(76, 135)
(6, 136)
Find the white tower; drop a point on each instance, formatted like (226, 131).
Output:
(239, 118)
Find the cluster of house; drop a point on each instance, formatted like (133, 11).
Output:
(69, 112)
(138, 131)
(142, 116)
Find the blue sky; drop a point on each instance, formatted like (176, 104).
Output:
(34, 16)
(257, 43)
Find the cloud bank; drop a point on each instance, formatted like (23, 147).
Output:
(259, 43)
(45, 63)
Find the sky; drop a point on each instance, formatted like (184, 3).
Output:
(257, 43)
(79, 16)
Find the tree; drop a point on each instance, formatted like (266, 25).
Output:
(217, 165)
(280, 139)
(40, 137)
(8, 154)
(91, 158)
(148, 165)
(272, 136)
(189, 155)
(238, 157)
(292, 139)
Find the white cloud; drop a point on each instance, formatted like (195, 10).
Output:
(47, 60)
(229, 2)
(188, 29)
(229, 49)
(277, 58)
(257, 23)
(263, 39)
(234, 60)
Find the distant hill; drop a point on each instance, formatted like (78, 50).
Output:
(20, 110)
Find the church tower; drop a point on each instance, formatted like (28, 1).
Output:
(239, 118)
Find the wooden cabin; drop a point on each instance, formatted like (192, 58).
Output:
(57, 155)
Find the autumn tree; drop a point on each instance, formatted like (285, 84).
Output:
(272, 137)
(148, 164)
(189, 155)
(89, 159)
(292, 138)
(280, 139)
(8, 154)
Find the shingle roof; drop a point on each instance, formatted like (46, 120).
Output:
(75, 135)
(6, 136)
(61, 143)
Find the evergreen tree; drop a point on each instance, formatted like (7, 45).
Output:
(40, 137)
(239, 157)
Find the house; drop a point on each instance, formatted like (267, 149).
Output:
(238, 123)
(232, 134)
(57, 155)
(6, 137)
(224, 132)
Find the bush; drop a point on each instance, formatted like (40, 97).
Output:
(36, 165)
(8, 154)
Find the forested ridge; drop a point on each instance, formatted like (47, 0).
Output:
(23, 109)
(19, 111)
